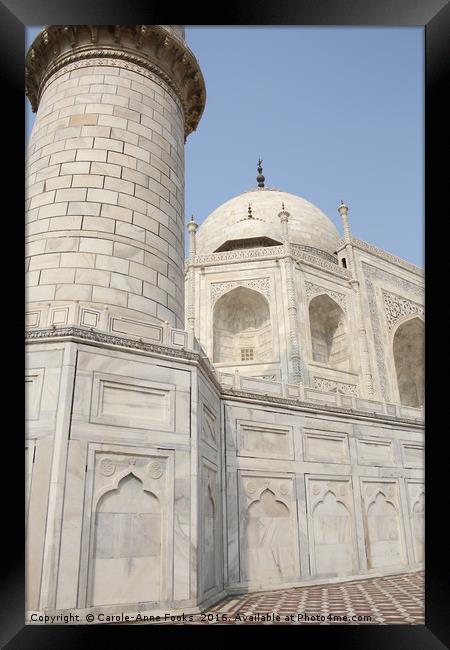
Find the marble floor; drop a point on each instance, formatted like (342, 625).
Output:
(388, 600)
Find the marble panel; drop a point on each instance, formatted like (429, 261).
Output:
(331, 526)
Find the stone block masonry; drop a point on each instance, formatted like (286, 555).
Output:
(105, 174)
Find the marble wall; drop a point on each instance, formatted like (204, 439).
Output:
(150, 486)
(334, 496)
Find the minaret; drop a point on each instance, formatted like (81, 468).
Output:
(105, 168)
(105, 252)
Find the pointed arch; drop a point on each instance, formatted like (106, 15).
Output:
(384, 538)
(126, 562)
(333, 539)
(210, 544)
(242, 329)
(409, 358)
(266, 547)
(329, 333)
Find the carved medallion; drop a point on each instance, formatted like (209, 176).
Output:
(251, 488)
(155, 469)
(107, 467)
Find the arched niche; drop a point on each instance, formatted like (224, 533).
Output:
(384, 543)
(209, 548)
(333, 540)
(419, 527)
(242, 328)
(409, 358)
(266, 540)
(329, 333)
(126, 563)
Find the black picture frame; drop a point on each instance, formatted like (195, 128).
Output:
(434, 16)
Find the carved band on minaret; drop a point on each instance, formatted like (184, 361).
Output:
(157, 48)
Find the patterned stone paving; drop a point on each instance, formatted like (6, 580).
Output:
(391, 600)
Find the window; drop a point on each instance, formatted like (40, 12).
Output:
(246, 354)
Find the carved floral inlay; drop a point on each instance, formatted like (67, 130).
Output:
(396, 308)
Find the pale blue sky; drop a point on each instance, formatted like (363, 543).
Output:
(334, 112)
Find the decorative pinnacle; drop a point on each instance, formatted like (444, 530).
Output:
(284, 214)
(192, 225)
(342, 209)
(260, 178)
(250, 215)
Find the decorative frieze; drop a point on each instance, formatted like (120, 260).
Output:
(340, 387)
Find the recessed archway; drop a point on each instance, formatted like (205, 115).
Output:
(329, 336)
(242, 328)
(409, 358)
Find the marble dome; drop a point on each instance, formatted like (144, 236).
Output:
(308, 225)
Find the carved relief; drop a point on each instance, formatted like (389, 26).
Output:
(258, 284)
(331, 534)
(335, 386)
(126, 539)
(384, 537)
(210, 519)
(416, 498)
(314, 290)
(396, 308)
(267, 546)
(127, 545)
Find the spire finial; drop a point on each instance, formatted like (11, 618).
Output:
(343, 208)
(260, 178)
(250, 215)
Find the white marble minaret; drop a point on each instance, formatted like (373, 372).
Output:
(115, 388)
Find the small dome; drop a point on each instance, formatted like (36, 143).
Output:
(308, 226)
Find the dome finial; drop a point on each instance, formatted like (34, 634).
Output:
(260, 178)
(250, 215)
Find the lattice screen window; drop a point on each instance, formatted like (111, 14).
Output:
(247, 354)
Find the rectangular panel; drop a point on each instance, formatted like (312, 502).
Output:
(263, 440)
(268, 542)
(328, 447)
(136, 328)
(413, 455)
(261, 385)
(132, 402)
(33, 392)
(375, 452)
(331, 525)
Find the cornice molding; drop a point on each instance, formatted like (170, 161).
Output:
(155, 48)
(227, 392)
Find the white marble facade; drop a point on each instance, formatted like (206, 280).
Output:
(273, 438)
